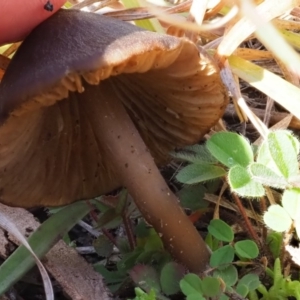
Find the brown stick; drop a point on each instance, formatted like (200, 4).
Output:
(139, 174)
(248, 224)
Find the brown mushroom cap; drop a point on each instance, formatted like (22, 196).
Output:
(48, 151)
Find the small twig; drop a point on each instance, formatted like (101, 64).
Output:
(105, 232)
(109, 236)
(286, 240)
(226, 204)
(269, 106)
(129, 231)
(123, 204)
(270, 195)
(251, 231)
(263, 209)
(92, 211)
(287, 269)
(217, 207)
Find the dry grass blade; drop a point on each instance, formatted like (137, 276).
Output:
(293, 38)
(217, 207)
(197, 11)
(269, 36)
(187, 25)
(141, 13)
(267, 115)
(4, 62)
(242, 29)
(13, 48)
(286, 24)
(84, 4)
(10, 226)
(286, 72)
(265, 81)
(275, 116)
(96, 5)
(231, 84)
(226, 204)
(253, 54)
(282, 124)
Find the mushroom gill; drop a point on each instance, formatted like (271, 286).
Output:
(84, 101)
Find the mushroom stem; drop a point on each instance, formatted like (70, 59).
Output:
(138, 172)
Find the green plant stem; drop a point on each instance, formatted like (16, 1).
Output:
(253, 295)
(270, 273)
(262, 289)
(277, 272)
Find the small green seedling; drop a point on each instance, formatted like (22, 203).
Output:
(276, 162)
(282, 288)
(141, 295)
(276, 166)
(224, 280)
(148, 266)
(273, 164)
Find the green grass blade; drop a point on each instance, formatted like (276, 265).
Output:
(41, 241)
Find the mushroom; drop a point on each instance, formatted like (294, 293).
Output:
(90, 103)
